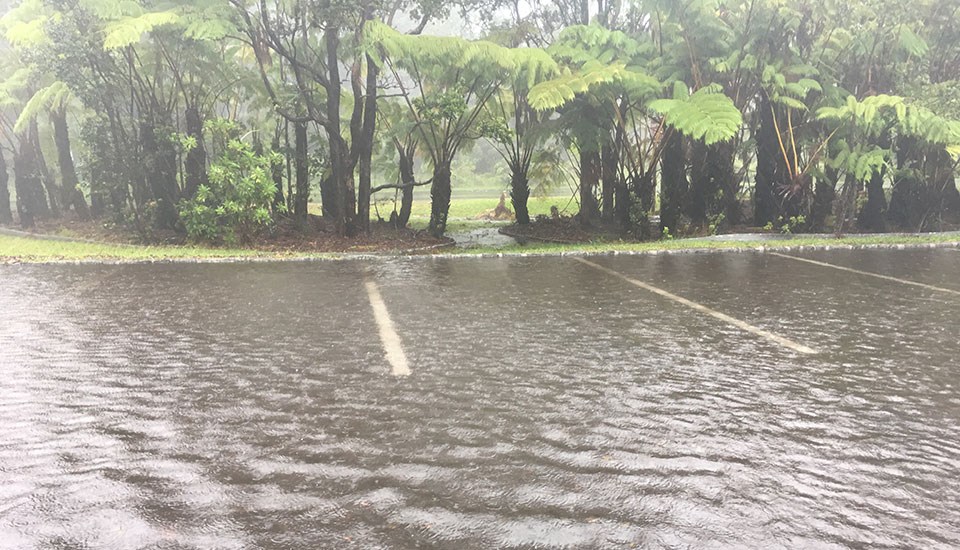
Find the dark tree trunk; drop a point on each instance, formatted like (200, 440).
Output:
(195, 165)
(341, 167)
(72, 195)
(6, 215)
(673, 182)
(906, 205)
(407, 180)
(276, 172)
(769, 168)
(519, 194)
(160, 162)
(622, 203)
(302, 168)
(872, 216)
(52, 207)
(97, 203)
(702, 185)
(723, 160)
(609, 162)
(440, 199)
(590, 168)
(824, 194)
(946, 185)
(30, 198)
(367, 136)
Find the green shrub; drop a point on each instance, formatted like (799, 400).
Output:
(237, 200)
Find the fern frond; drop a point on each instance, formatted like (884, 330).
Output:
(704, 115)
(128, 30)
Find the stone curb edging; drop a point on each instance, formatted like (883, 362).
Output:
(573, 253)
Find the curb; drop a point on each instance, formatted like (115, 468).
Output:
(334, 257)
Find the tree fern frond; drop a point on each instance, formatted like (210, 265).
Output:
(704, 115)
(129, 30)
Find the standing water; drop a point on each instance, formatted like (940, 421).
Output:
(549, 405)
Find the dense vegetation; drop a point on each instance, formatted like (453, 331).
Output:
(216, 118)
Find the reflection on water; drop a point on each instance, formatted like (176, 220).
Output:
(550, 406)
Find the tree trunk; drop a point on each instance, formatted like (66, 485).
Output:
(945, 183)
(407, 180)
(824, 194)
(195, 165)
(872, 216)
(702, 186)
(367, 136)
(302, 168)
(519, 194)
(590, 168)
(609, 162)
(673, 182)
(440, 199)
(30, 200)
(341, 167)
(6, 215)
(726, 179)
(769, 162)
(161, 175)
(52, 207)
(72, 195)
(276, 172)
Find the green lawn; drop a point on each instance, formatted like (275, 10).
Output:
(31, 250)
(711, 244)
(27, 249)
(464, 212)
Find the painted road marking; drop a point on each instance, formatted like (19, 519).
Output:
(867, 273)
(388, 335)
(790, 344)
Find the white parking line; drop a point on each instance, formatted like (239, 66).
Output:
(867, 273)
(790, 344)
(388, 335)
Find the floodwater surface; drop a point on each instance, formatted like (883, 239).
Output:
(550, 405)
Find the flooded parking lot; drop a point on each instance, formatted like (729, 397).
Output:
(551, 403)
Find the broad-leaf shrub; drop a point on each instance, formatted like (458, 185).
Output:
(236, 202)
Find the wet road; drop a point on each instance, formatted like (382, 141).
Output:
(551, 405)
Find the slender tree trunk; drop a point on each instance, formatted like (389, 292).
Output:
(52, 192)
(341, 168)
(673, 182)
(6, 215)
(302, 169)
(520, 194)
(590, 168)
(195, 165)
(622, 202)
(276, 172)
(368, 134)
(407, 180)
(72, 195)
(440, 198)
(609, 162)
